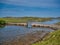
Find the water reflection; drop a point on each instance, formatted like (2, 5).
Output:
(2, 26)
(11, 32)
(53, 21)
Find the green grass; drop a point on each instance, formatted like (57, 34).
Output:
(24, 19)
(58, 23)
(52, 39)
(2, 22)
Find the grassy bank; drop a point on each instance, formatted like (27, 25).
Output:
(58, 23)
(52, 39)
(2, 22)
(24, 19)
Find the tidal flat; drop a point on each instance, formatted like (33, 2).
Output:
(27, 39)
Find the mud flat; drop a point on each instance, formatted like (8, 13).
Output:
(27, 39)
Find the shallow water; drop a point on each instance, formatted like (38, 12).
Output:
(53, 21)
(11, 32)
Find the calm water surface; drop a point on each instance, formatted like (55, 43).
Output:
(11, 32)
(53, 21)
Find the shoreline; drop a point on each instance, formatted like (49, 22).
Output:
(28, 39)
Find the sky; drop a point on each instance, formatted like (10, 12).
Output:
(32, 8)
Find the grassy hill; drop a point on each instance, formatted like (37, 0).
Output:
(52, 39)
(24, 19)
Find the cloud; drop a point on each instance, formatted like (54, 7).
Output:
(34, 3)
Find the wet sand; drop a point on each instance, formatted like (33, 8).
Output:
(27, 39)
